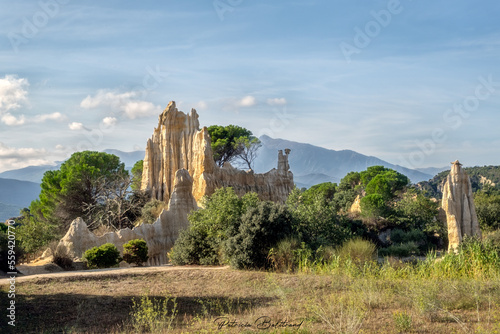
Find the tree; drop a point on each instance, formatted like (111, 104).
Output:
(232, 142)
(137, 175)
(82, 181)
(249, 148)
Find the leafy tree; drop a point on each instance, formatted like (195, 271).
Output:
(232, 142)
(373, 206)
(415, 211)
(137, 175)
(316, 218)
(261, 228)
(248, 148)
(81, 182)
(33, 233)
(203, 241)
(488, 209)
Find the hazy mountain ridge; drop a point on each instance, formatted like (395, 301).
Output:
(307, 161)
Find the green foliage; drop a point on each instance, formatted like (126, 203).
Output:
(261, 228)
(402, 321)
(154, 315)
(151, 211)
(283, 257)
(358, 251)
(33, 234)
(104, 256)
(373, 206)
(9, 252)
(488, 210)
(415, 211)
(228, 142)
(316, 221)
(203, 241)
(323, 191)
(135, 251)
(473, 259)
(81, 181)
(400, 250)
(137, 175)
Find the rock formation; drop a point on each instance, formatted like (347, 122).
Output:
(458, 204)
(178, 142)
(179, 169)
(160, 236)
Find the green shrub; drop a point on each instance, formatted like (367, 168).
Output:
(400, 250)
(494, 239)
(135, 251)
(104, 256)
(359, 251)
(151, 211)
(283, 257)
(261, 228)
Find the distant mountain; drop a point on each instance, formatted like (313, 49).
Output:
(433, 170)
(15, 195)
(129, 158)
(8, 211)
(31, 173)
(311, 164)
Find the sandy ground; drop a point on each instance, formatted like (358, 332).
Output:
(107, 271)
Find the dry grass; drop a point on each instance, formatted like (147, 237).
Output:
(202, 299)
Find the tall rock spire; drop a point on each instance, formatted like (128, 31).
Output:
(458, 203)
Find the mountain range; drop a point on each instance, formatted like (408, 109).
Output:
(310, 165)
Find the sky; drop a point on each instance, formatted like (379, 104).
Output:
(415, 83)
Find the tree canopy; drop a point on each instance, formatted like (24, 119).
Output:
(233, 142)
(81, 181)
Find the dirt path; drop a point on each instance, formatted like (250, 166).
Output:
(109, 271)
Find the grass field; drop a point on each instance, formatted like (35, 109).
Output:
(203, 300)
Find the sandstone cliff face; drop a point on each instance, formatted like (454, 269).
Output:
(160, 236)
(458, 204)
(178, 142)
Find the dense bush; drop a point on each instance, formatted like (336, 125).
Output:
(204, 241)
(135, 251)
(283, 257)
(104, 256)
(260, 229)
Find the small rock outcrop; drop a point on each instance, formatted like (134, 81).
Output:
(458, 204)
(160, 236)
(178, 142)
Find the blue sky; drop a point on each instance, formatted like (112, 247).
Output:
(414, 83)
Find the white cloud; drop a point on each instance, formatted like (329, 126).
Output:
(276, 101)
(134, 109)
(109, 121)
(11, 120)
(60, 147)
(247, 101)
(125, 102)
(201, 105)
(13, 92)
(56, 116)
(13, 158)
(75, 126)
